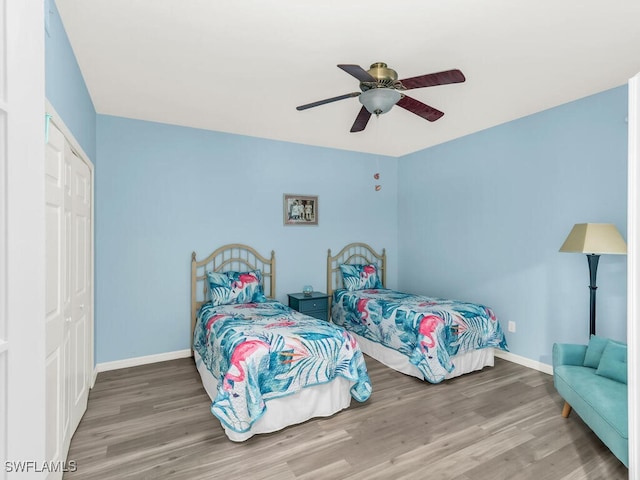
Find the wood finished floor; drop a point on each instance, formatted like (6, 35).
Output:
(504, 422)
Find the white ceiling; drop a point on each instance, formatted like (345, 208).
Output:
(243, 66)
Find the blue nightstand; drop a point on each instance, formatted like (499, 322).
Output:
(315, 305)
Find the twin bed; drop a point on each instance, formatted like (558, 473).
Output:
(250, 349)
(429, 338)
(266, 366)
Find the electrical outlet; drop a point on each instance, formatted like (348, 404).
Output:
(512, 327)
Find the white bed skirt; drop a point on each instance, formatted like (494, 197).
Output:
(317, 401)
(464, 363)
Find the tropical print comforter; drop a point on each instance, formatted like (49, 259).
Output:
(260, 351)
(429, 331)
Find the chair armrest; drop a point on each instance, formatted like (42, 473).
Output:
(568, 354)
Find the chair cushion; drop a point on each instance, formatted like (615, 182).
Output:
(594, 351)
(613, 363)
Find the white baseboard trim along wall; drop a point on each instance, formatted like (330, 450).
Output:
(525, 362)
(163, 357)
(137, 361)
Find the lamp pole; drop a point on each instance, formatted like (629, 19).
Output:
(592, 258)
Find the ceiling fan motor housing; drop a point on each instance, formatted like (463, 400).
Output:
(385, 77)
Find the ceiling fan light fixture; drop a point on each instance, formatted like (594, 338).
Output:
(379, 100)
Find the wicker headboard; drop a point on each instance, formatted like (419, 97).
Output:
(354, 253)
(232, 257)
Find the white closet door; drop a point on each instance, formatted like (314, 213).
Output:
(80, 249)
(68, 323)
(58, 299)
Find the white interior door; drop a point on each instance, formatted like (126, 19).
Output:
(57, 293)
(69, 293)
(80, 252)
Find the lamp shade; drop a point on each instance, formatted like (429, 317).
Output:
(379, 100)
(595, 238)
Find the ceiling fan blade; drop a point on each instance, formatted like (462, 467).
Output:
(419, 108)
(358, 72)
(433, 79)
(328, 100)
(361, 120)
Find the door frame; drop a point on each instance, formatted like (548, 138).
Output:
(22, 45)
(633, 277)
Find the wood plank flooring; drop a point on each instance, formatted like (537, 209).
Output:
(504, 422)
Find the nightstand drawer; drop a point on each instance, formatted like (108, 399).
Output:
(306, 306)
(315, 305)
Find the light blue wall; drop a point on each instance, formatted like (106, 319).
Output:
(481, 218)
(164, 191)
(64, 85)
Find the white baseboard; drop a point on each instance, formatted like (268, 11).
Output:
(163, 357)
(137, 361)
(526, 362)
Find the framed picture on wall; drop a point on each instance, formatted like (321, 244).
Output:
(300, 209)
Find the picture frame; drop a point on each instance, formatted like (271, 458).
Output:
(300, 209)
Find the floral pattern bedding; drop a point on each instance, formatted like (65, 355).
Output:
(260, 351)
(429, 331)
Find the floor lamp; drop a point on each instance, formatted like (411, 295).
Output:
(594, 239)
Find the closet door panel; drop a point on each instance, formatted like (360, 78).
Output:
(56, 240)
(69, 292)
(81, 287)
(57, 299)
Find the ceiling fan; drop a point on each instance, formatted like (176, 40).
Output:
(380, 91)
